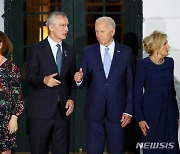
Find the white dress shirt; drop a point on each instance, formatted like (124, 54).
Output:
(111, 50)
(53, 46)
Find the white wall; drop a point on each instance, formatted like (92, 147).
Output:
(164, 15)
(1, 13)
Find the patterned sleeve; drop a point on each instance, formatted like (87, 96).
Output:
(16, 92)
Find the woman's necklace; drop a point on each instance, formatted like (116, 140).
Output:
(156, 63)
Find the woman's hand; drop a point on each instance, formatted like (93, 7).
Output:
(144, 126)
(13, 125)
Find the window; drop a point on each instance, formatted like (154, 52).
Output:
(35, 16)
(98, 8)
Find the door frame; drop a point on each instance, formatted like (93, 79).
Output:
(14, 21)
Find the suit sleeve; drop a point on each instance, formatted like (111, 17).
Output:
(33, 77)
(129, 86)
(84, 66)
(138, 91)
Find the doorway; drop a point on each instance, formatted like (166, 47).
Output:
(25, 26)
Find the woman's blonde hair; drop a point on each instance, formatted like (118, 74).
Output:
(6, 44)
(154, 41)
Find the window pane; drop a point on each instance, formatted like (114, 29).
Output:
(117, 18)
(113, 1)
(113, 8)
(91, 18)
(99, 8)
(35, 16)
(95, 9)
(94, 1)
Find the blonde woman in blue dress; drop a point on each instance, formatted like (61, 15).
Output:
(155, 97)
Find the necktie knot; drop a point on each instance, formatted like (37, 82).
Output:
(58, 45)
(106, 49)
(107, 62)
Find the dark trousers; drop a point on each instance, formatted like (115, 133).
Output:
(97, 132)
(49, 132)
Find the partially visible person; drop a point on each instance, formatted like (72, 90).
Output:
(11, 98)
(50, 71)
(106, 71)
(155, 103)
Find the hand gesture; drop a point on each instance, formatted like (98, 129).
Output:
(50, 81)
(78, 76)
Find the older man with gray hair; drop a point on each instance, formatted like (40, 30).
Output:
(106, 70)
(50, 71)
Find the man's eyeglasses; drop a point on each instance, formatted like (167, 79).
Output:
(65, 25)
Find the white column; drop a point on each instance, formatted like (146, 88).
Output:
(1, 13)
(164, 15)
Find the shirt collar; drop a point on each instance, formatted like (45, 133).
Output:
(111, 46)
(53, 43)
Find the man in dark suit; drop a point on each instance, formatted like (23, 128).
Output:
(50, 71)
(106, 70)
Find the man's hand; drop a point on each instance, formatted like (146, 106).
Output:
(69, 106)
(13, 126)
(144, 126)
(50, 81)
(126, 119)
(78, 76)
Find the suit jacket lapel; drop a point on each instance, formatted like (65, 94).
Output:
(99, 59)
(49, 54)
(115, 59)
(114, 62)
(65, 55)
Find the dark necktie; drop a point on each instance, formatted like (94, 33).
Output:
(59, 58)
(107, 62)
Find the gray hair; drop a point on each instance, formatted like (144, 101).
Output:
(52, 16)
(109, 19)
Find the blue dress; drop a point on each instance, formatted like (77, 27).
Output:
(155, 102)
